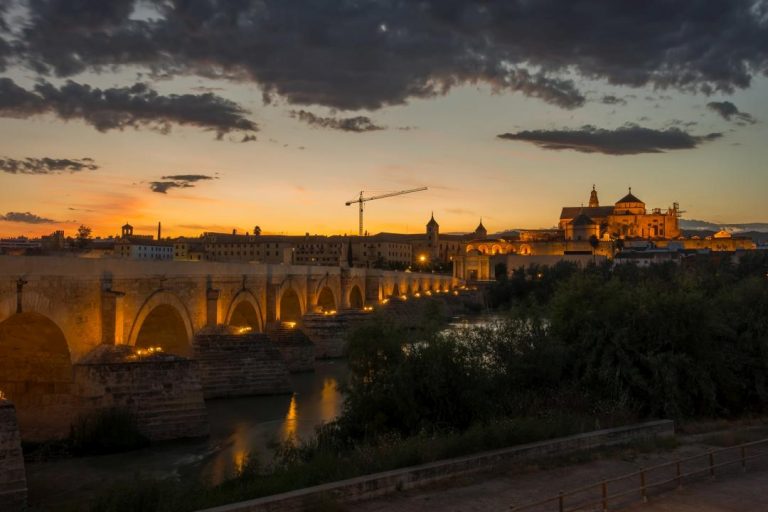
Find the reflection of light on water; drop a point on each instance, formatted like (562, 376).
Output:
(241, 446)
(291, 423)
(329, 400)
(239, 460)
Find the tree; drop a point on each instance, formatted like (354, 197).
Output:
(593, 242)
(83, 236)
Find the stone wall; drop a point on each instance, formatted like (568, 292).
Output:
(378, 484)
(297, 350)
(164, 392)
(13, 482)
(240, 365)
(329, 332)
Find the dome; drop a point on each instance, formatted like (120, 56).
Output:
(629, 198)
(432, 222)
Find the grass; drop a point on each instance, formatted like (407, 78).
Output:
(308, 465)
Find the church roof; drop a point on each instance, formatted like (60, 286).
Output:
(480, 227)
(432, 221)
(583, 220)
(571, 212)
(629, 198)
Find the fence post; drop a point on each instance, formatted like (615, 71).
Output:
(744, 459)
(679, 477)
(560, 501)
(605, 496)
(642, 485)
(711, 465)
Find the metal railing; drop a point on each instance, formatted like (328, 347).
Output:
(685, 469)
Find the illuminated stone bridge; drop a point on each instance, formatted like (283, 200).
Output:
(54, 311)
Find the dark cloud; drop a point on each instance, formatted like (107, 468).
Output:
(124, 107)
(610, 99)
(357, 124)
(728, 111)
(178, 181)
(46, 165)
(626, 140)
(371, 53)
(26, 217)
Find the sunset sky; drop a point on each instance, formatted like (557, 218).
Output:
(210, 115)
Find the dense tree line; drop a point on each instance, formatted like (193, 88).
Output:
(672, 340)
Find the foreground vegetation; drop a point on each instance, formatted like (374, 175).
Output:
(576, 350)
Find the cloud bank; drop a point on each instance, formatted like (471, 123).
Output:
(372, 53)
(26, 218)
(357, 124)
(177, 181)
(626, 140)
(728, 111)
(46, 165)
(118, 108)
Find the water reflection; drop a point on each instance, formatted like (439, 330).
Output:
(330, 399)
(241, 428)
(290, 425)
(252, 427)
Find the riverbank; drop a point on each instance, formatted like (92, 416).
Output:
(239, 426)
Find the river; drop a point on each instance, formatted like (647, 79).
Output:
(240, 427)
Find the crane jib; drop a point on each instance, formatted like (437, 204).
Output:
(361, 200)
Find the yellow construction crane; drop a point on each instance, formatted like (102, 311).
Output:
(362, 200)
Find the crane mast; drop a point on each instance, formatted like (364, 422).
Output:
(362, 200)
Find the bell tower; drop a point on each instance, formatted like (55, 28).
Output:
(433, 230)
(593, 202)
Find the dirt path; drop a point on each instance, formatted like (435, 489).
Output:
(498, 490)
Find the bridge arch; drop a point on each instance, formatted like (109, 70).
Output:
(163, 320)
(33, 302)
(356, 297)
(245, 311)
(327, 296)
(289, 304)
(326, 299)
(36, 372)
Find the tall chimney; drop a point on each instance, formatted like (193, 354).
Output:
(159, 231)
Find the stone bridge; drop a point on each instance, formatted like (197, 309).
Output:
(55, 310)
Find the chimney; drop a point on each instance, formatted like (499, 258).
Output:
(159, 231)
(234, 231)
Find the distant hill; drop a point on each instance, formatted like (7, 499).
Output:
(703, 225)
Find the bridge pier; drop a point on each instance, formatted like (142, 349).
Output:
(112, 320)
(162, 391)
(13, 480)
(212, 307)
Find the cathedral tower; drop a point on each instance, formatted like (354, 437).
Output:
(593, 202)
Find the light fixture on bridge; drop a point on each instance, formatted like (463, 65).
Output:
(244, 330)
(368, 308)
(289, 325)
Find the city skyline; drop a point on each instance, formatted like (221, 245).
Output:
(496, 128)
